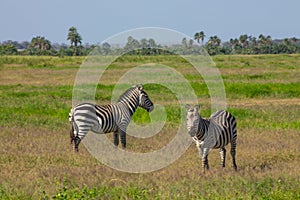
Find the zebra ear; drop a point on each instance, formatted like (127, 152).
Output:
(140, 86)
(187, 107)
(197, 107)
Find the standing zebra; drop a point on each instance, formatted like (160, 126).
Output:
(108, 118)
(215, 132)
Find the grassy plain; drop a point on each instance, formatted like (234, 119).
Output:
(36, 160)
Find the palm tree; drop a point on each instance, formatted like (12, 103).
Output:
(268, 40)
(252, 41)
(214, 41)
(199, 36)
(244, 40)
(74, 36)
(202, 36)
(75, 39)
(40, 43)
(234, 43)
(262, 40)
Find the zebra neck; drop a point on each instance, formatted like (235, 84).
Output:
(202, 128)
(129, 106)
(129, 100)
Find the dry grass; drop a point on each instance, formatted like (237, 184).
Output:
(36, 158)
(37, 77)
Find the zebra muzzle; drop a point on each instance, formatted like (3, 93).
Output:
(150, 109)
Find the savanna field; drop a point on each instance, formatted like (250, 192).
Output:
(38, 162)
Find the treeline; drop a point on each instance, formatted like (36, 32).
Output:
(41, 46)
(244, 44)
(251, 45)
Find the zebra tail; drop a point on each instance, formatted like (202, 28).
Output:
(71, 119)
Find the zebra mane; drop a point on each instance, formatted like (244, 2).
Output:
(127, 93)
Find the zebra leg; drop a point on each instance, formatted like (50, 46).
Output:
(233, 152)
(72, 137)
(79, 134)
(116, 138)
(76, 143)
(223, 156)
(204, 152)
(123, 139)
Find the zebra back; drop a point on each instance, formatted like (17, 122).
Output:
(216, 131)
(222, 127)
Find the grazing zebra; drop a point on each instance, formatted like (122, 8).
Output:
(215, 132)
(108, 118)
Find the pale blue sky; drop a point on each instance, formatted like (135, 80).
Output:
(97, 20)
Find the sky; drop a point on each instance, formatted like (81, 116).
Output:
(97, 20)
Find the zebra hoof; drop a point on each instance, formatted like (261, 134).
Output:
(75, 149)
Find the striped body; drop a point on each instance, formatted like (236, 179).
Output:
(103, 119)
(213, 133)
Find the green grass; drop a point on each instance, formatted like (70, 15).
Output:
(37, 161)
(268, 188)
(262, 90)
(48, 106)
(280, 118)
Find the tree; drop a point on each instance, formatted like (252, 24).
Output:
(214, 41)
(40, 45)
(191, 42)
(252, 41)
(264, 40)
(152, 43)
(234, 44)
(106, 45)
(75, 39)
(244, 40)
(286, 41)
(202, 36)
(144, 43)
(293, 40)
(131, 45)
(213, 45)
(184, 42)
(8, 49)
(199, 36)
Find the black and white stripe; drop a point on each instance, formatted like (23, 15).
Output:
(108, 118)
(213, 133)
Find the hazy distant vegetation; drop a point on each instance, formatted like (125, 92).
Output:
(244, 44)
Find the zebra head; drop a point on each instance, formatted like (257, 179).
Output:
(192, 119)
(144, 100)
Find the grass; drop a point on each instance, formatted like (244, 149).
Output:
(37, 161)
(40, 61)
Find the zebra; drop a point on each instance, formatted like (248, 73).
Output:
(102, 119)
(215, 132)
